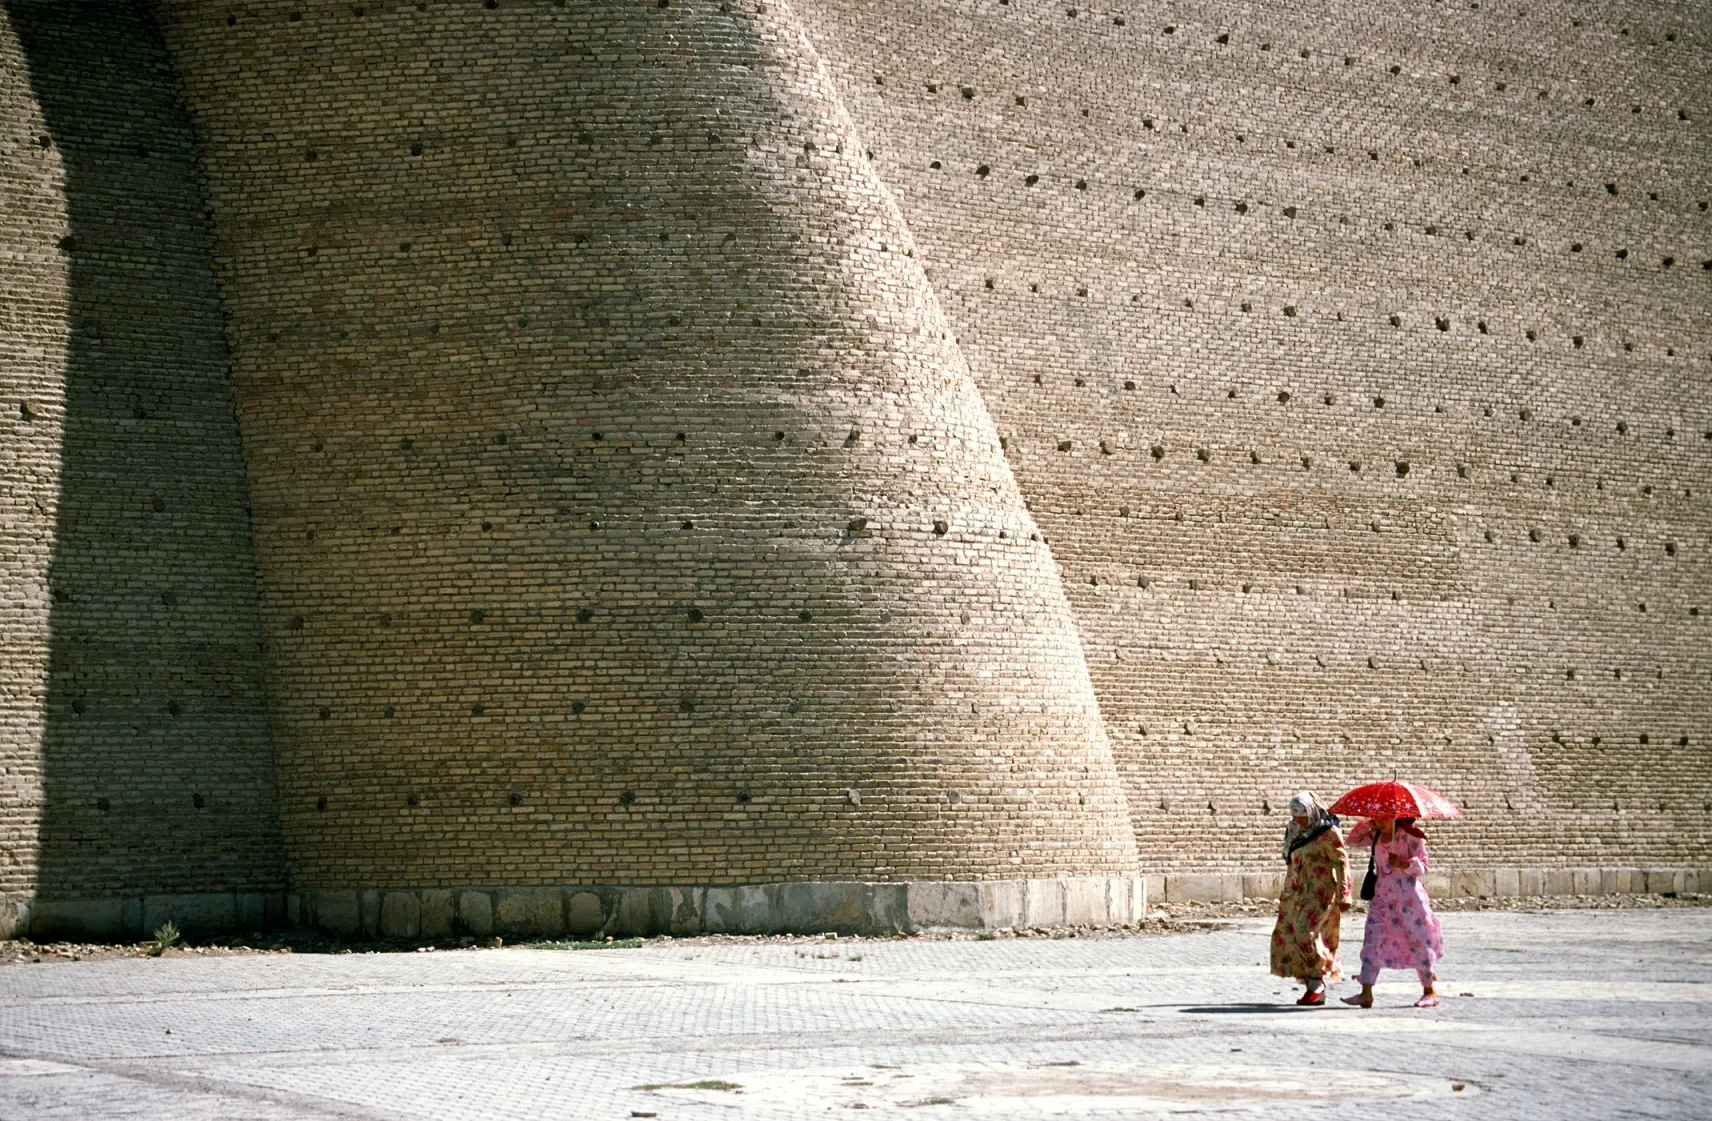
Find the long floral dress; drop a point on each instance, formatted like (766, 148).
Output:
(1310, 910)
(1401, 932)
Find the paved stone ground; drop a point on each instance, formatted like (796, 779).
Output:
(1561, 1014)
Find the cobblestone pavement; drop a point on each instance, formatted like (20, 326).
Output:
(1548, 1014)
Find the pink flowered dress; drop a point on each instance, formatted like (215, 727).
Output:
(1402, 932)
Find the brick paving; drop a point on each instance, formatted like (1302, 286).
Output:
(1571, 1014)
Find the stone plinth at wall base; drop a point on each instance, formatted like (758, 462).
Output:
(1460, 883)
(592, 911)
(133, 917)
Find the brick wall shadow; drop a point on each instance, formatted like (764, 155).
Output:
(156, 769)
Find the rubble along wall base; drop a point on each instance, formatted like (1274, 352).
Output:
(594, 911)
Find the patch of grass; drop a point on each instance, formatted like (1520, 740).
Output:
(704, 1084)
(166, 935)
(571, 944)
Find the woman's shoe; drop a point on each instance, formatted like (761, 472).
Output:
(1317, 997)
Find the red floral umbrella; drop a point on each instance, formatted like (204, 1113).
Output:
(1394, 799)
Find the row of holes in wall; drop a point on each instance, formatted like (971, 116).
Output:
(1569, 247)
(418, 146)
(1400, 469)
(1198, 584)
(1223, 38)
(1159, 123)
(1290, 212)
(1273, 659)
(742, 795)
(1669, 433)
(852, 797)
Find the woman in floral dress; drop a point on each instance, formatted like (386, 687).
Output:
(1402, 932)
(1315, 896)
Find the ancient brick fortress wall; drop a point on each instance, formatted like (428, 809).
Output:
(135, 765)
(1356, 359)
(625, 513)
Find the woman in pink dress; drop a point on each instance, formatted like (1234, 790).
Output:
(1401, 932)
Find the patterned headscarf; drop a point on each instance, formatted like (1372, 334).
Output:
(1304, 804)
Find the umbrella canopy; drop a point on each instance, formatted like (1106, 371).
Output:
(1394, 799)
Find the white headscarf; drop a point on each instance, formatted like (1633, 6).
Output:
(1304, 804)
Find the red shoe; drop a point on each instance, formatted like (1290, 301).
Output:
(1318, 996)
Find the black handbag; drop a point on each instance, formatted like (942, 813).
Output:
(1370, 881)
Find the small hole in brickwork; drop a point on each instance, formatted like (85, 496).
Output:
(1670, 548)
(695, 615)
(1064, 445)
(1532, 335)
(983, 171)
(1158, 452)
(1355, 466)
(1622, 427)
(855, 435)
(1201, 200)
(1203, 455)
(1442, 324)
(1579, 342)
(584, 614)
(477, 615)
(1290, 311)
(1307, 462)
(103, 804)
(296, 623)
(1242, 208)
(626, 797)
(686, 705)
(934, 165)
